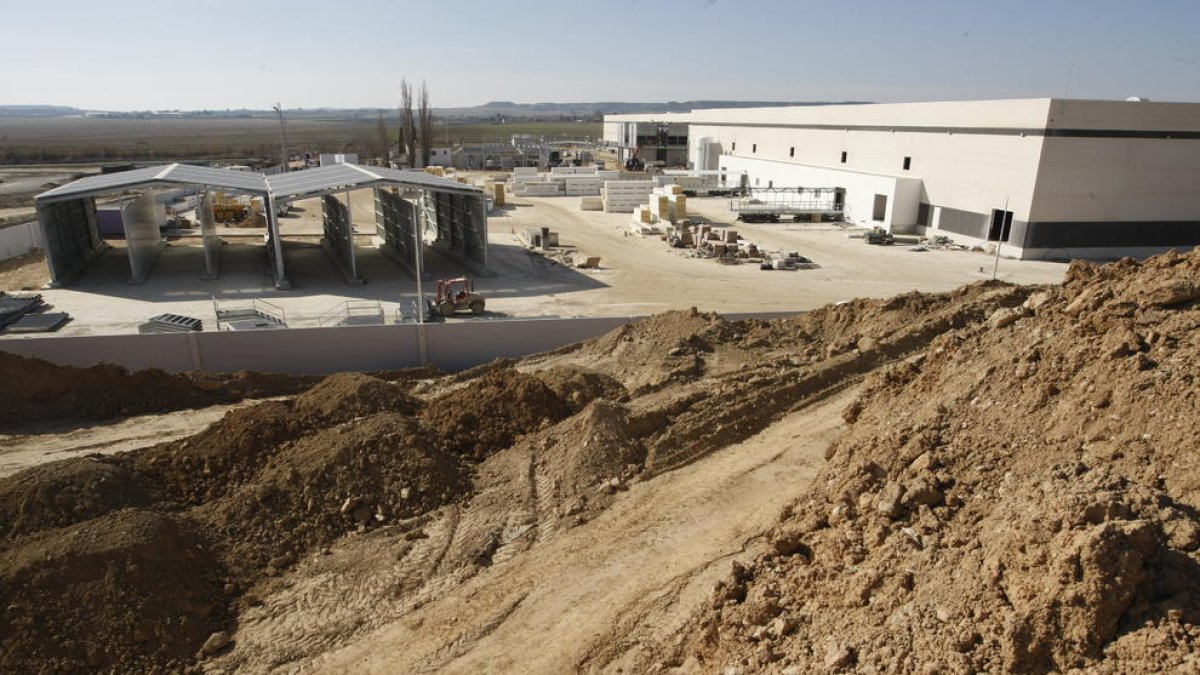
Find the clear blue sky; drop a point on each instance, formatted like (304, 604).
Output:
(140, 54)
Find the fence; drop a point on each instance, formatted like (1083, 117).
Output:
(20, 239)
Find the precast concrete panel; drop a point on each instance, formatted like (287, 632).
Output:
(143, 239)
(396, 221)
(339, 236)
(70, 236)
(209, 238)
(461, 226)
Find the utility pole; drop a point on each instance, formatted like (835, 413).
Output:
(1000, 238)
(278, 108)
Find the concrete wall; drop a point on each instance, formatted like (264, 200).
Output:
(450, 346)
(19, 239)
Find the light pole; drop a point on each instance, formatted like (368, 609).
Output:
(278, 108)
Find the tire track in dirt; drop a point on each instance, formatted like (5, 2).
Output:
(625, 566)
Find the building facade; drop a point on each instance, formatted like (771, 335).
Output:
(654, 140)
(1052, 178)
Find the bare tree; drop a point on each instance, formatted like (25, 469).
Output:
(381, 134)
(426, 120)
(408, 125)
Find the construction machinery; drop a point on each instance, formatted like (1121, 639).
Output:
(456, 295)
(879, 237)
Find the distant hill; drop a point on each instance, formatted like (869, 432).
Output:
(37, 111)
(491, 111)
(508, 108)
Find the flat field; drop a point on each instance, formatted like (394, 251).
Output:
(67, 139)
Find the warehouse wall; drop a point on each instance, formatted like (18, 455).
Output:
(968, 172)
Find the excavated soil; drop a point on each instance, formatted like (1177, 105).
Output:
(132, 591)
(1020, 497)
(32, 390)
(1017, 490)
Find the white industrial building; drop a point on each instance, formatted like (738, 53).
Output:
(1053, 178)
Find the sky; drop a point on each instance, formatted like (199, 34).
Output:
(217, 54)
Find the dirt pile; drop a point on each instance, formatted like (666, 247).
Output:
(32, 390)
(132, 591)
(651, 354)
(487, 414)
(1021, 497)
(68, 492)
(345, 396)
(328, 484)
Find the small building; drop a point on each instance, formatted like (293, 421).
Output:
(332, 159)
(654, 140)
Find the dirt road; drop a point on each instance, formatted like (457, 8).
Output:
(52, 443)
(640, 569)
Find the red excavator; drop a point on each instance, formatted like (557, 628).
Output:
(456, 295)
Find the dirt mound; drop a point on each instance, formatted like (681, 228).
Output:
(652, 353)
(578, 386)
(224, 456)
(489, 413)
(344, 396)
(1020, 497)
(67, 492)
(132, 591)
(597, 447)
(33, 390)
(379, 470)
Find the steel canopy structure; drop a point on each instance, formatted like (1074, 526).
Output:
(411, 207)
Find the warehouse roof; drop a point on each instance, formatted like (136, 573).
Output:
(295, 185)
(169, 174)
(338, 177)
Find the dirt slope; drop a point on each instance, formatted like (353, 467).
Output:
(1016, 490)
(1021, 497)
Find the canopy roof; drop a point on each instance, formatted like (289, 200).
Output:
(296, 185)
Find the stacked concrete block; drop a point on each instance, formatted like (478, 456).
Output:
(538, 189)
(623, 196)
(591, 203)
(678, 208)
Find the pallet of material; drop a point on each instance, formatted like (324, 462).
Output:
(678, 204)
(591, 203)
(539, 190)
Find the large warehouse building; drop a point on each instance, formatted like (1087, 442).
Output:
(1053, 178)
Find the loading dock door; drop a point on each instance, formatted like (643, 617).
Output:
(879, 209)
(1001, 225)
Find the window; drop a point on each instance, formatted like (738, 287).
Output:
(792, 151)
(907, 163)
(754, 148)
(843, 157)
